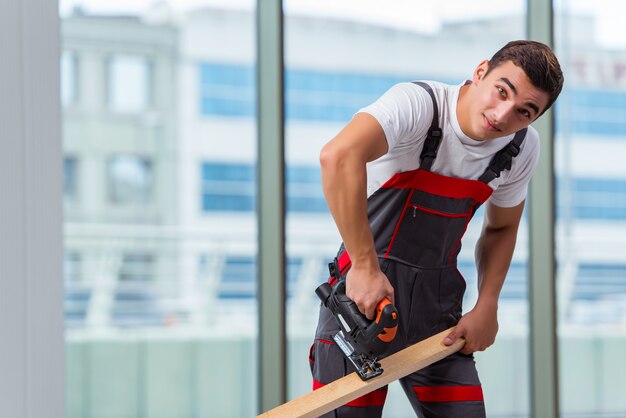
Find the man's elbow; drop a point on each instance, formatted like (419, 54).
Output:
(503, 230)
(326, 156)
(501, 226)
(332, 157)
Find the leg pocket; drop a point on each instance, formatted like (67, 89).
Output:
(327, 361)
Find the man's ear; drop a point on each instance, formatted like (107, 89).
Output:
(480, 71)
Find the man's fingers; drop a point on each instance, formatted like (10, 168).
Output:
(450, 339)
(371, 310)
(453, 336)
(391, 296)
(368, 305)
(366, 309)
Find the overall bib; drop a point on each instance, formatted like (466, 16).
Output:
(418, 219)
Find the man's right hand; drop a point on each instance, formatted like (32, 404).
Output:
(366, 287)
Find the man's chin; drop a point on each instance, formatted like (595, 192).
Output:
(481, 135)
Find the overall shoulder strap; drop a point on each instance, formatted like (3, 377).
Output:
(502, 159)
(433, 138)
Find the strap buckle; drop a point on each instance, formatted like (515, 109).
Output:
(333, 269)
(435, 132)
(431, 145)
(513, 149)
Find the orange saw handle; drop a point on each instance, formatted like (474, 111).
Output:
(387, 319)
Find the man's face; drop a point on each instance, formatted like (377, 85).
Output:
(501, 102)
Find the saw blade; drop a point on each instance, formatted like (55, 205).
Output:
(343, 344)
(365, 367)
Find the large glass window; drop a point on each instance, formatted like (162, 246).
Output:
(69, 78)
(130, 179)
(160, 246)
(339, 59)
(591, 208)
(70, 178)
(77, 292)
(159, 101)
(227, 187)
(129, 83)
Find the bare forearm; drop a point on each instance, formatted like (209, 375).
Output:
(494, 252)
(344, 182)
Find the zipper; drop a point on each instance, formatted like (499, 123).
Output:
(417, 208)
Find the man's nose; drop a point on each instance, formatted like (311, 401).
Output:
(504, 112)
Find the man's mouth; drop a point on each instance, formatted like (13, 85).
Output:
(490, 125)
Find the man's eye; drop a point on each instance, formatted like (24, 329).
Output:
(501, 91)
(525, 113)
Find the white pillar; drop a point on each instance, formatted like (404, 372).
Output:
(32, 367)
(544, 384)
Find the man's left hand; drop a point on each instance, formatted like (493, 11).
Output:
(479, 328)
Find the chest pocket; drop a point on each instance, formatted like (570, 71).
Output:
(430, 231)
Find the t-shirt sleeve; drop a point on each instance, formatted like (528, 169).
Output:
(404, 112)
(514, 189)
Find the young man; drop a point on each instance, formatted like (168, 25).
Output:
(402, 181)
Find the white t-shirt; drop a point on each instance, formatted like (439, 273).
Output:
(405, 113)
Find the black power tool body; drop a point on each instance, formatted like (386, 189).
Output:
(362, 341)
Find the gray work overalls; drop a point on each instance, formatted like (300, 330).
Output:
(418, 219)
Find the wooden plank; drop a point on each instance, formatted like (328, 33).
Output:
(350, 387)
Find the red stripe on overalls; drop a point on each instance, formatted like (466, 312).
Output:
(448, 393)
(440, 185)
(376, 398)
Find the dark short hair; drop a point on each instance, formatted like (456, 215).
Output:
(538, 62)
